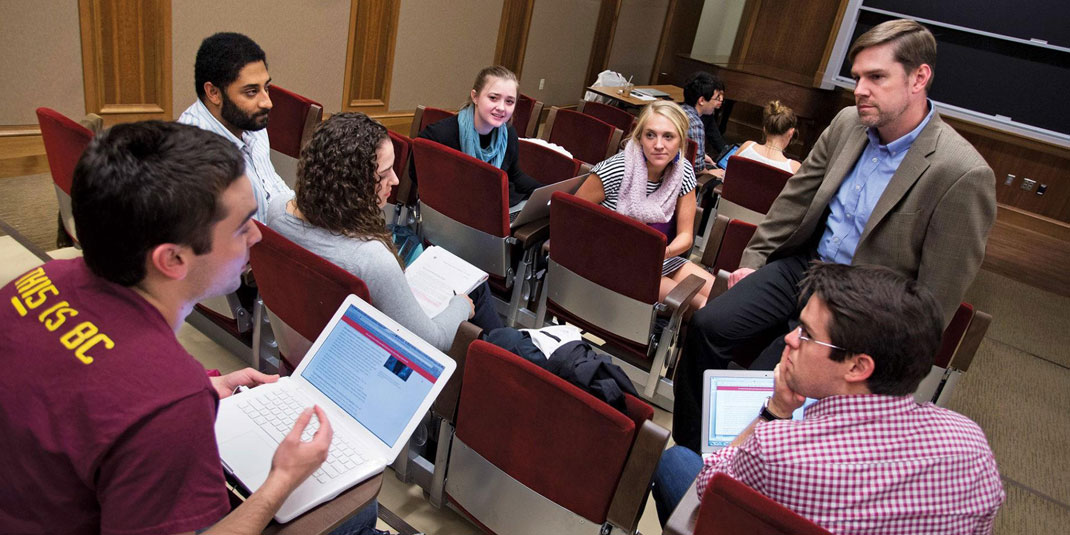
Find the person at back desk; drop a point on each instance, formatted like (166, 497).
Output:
(481, 129)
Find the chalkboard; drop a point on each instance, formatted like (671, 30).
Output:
(1022, 83)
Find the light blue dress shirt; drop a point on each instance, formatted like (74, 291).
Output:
(860, 191)
(268, 186)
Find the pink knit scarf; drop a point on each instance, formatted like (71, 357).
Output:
(659, 206)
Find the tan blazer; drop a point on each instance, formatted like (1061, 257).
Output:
(930, 224)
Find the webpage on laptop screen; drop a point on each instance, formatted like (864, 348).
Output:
(735, 402)
(372, 374)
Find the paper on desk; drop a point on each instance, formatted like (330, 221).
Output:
(640, 96)
(437, 275)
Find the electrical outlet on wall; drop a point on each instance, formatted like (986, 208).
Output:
(1028, 184)
(1009, 180)
(542, 83)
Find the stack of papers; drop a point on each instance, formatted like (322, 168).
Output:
(437, 275)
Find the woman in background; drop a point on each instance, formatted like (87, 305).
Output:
(652, 182)
(344, 177)
(778, 125)
(481, 129)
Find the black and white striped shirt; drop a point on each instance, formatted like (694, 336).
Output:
(611, 171)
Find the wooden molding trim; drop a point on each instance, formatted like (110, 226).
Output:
(823, 66)
(1030, 221)
(17, 130)
(373, 28)
(126, 59)
(604, 31)
(513, 34)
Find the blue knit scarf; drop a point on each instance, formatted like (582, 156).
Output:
(470, 139)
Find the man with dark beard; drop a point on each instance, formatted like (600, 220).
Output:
(232, 82)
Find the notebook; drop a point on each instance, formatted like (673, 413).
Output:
(537, 206)
(374, 379)
(731, 400)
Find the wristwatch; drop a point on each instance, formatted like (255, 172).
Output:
(768, 415)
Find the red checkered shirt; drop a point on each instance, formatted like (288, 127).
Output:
(871, 464)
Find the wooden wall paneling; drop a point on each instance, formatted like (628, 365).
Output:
(681, 26)
(513, 34)
(126, 58)
(604, 32)
(786, 39)
(370, 55)
(830, 43)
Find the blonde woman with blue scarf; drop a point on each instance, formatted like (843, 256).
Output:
(481, 129)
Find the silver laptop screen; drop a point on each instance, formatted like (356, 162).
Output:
(373, 374)
(734, 403)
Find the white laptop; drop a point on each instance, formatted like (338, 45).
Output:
(373, 378)
(537, 206)
(731, 400)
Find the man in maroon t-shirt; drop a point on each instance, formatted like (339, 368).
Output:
(106, 422)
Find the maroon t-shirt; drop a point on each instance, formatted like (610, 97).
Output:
(106, 422)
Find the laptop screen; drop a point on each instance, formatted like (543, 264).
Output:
(734, 403)
(373, 374)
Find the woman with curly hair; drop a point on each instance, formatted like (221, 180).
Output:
(344, 177)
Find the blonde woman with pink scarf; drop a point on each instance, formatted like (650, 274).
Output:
(652, 182)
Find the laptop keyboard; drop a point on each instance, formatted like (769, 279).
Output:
(514, 215)
(276, 412)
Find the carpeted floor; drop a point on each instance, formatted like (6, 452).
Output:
(1017, 389)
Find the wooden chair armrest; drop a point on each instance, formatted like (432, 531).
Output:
(720, 284)
(713, 241)
(532, 233)
(683, 518)
(630, 496)
(325, 517)
(680, 296)
(967, 349)
(445, 404)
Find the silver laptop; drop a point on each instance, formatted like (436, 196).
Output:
(537, 206)
(372, 377)
(731, 400)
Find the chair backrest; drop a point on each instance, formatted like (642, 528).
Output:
(425, 115)
(300, 287)
(691, 151)
(752, 184)
(462, 188)
(544, 432)
(608, 114)
(959, 343)
(401, 193)
(65, 141)
(545, 164)
(588, 139)
(291, 121)
(526, 115)
(731, 507)
(589, 240)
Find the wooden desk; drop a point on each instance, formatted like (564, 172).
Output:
(327, 516)
(676, 93)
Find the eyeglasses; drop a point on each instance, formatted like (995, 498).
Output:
(805, 336)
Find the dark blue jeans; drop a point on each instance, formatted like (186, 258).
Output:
(362, 523)
(486, 317)
(676, 470)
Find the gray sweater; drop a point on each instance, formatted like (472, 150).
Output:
(373, 263)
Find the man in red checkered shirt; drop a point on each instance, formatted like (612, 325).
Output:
(866, 458)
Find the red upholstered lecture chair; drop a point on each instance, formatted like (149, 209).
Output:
(691, 150)
(534, 454)
(545, 164)
(526, 116)
(724, 249)
(65, 140)
(300, 293)
(588, 139)
(291, 121)
(752, 185)
(402, 196)
(609, 114)
(960, 341)
(730, 508)
(425, 115)
(597, 283)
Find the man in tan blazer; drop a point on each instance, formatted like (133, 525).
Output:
(887, 183)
